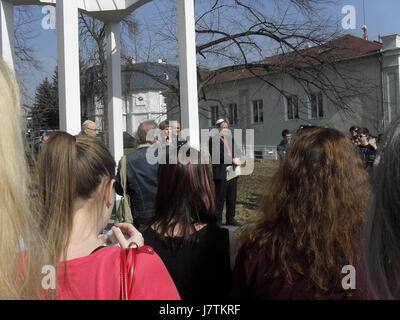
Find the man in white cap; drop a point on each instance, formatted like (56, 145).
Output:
(224, 189)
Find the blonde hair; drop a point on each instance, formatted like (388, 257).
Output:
(22, 252)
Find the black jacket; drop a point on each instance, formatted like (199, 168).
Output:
(219, 164)
(368, 154)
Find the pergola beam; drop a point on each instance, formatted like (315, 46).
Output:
(68, 60)
(188, 71)
(68, 67)
(114, 91)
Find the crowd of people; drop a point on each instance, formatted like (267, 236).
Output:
(365, 143)
(322, 211)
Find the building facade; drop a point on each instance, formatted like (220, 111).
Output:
(363, 74)
(143, 98)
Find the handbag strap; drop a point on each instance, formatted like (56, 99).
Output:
(128, 268)
(127, 271)
(122, 174)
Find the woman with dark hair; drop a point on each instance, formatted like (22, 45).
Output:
(166, 129)
(310, 225)
(184, 233)
(381, 246)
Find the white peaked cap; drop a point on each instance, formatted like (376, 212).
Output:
(219, 121)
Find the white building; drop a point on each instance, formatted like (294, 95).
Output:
(143, 98)
(371, 70)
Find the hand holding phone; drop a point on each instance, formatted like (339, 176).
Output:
(110, 237)
(124, 235)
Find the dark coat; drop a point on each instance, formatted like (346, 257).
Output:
(368, 155)
(141, 183)
(220, 163)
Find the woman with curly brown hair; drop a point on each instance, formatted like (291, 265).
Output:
(310, 226)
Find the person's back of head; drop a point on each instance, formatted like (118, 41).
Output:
(316, 196)
(142, 134)
(18, 228)
(184, 193)
(353, 130)
(381, 235)
(70, 169)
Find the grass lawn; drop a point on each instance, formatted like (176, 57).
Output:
(252, 188)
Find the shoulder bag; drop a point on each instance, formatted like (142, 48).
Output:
(124, 213)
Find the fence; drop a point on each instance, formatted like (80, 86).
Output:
(261, 152)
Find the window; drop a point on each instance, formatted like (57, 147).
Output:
(258, 111)
(233, 115)
(292, 107)
(317, 110)
(214, 115)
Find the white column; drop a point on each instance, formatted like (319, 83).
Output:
(187, 70)
(7, 33)
(68, 66)
(114, 93)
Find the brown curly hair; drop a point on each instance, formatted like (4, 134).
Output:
(314, 210)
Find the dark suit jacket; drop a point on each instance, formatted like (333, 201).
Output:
(219, 164)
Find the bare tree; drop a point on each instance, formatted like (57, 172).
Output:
(235, 35)
(93, 41)
(24, 35)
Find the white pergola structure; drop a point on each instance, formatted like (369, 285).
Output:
(111, 12)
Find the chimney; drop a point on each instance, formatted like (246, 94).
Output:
(391, 42)
(364, 28)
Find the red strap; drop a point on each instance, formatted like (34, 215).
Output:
(128, 271)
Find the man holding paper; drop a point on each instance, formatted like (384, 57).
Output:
(225, 167)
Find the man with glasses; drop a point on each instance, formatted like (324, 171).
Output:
(89, 128)
(367, 152)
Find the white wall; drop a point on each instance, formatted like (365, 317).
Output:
(365, 107)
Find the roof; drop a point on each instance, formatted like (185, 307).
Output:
(343, 48)
(104, 10)
(150, 75)
(136, 76)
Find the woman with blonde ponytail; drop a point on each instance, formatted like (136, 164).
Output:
(76, 188)
(19, 278)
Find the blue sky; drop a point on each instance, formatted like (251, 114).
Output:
(381, 18)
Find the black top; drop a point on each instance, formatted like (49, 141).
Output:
(219, 164)
(368, 154)
(253, 279)
(200, 270)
